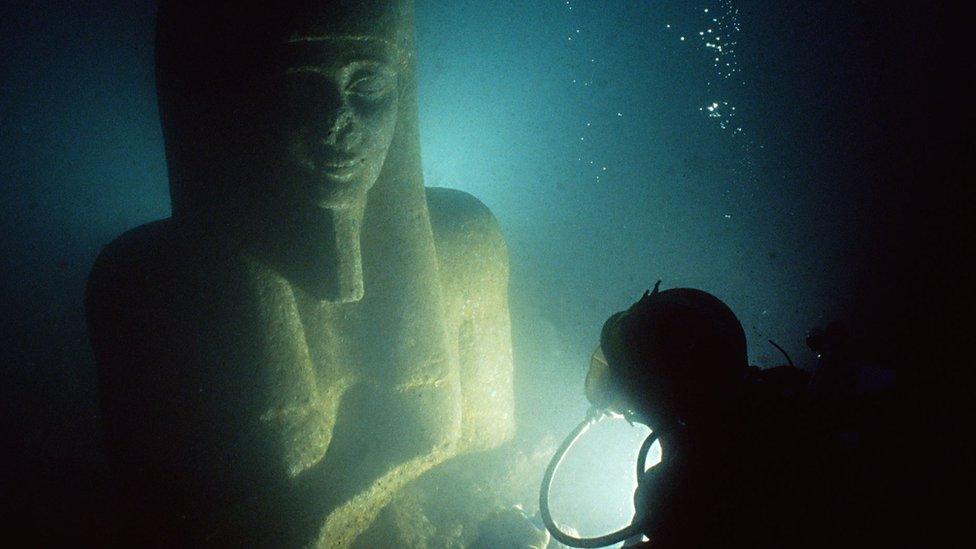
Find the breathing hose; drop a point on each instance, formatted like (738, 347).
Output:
(633, 529)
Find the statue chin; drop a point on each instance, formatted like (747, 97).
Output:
(332, 192)
(333, 197)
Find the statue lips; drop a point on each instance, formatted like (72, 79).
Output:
(341, 169)
(332, 175)
(335, 165)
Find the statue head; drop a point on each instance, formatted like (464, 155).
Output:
(337, 102)
(279, 118)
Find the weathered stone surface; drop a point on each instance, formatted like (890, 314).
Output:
(312, 330)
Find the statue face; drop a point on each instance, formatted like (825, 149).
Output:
(334, 118)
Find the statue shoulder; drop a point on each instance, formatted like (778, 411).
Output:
(150, 268)
(127, 283)
(473, 267)
(136, 242)
(470, 247)
(130, 261)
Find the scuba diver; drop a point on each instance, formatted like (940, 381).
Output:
(743, 465)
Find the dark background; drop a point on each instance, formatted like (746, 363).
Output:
(842, 197)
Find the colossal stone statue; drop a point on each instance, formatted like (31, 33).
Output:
(312, 329)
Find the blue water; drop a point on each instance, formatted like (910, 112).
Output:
(614, 141)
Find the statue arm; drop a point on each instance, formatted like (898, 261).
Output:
(164, 408)
(473, 262)
(184, 386)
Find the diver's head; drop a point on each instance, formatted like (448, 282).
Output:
(674, 357)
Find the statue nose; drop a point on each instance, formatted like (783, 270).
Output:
(342, 132)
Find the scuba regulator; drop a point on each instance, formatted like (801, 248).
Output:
(667, 361)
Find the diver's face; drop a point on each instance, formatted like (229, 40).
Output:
(335, 101)
(606, 390)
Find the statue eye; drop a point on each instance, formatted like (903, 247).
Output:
(372, 85)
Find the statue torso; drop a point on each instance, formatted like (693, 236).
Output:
(228, 391)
